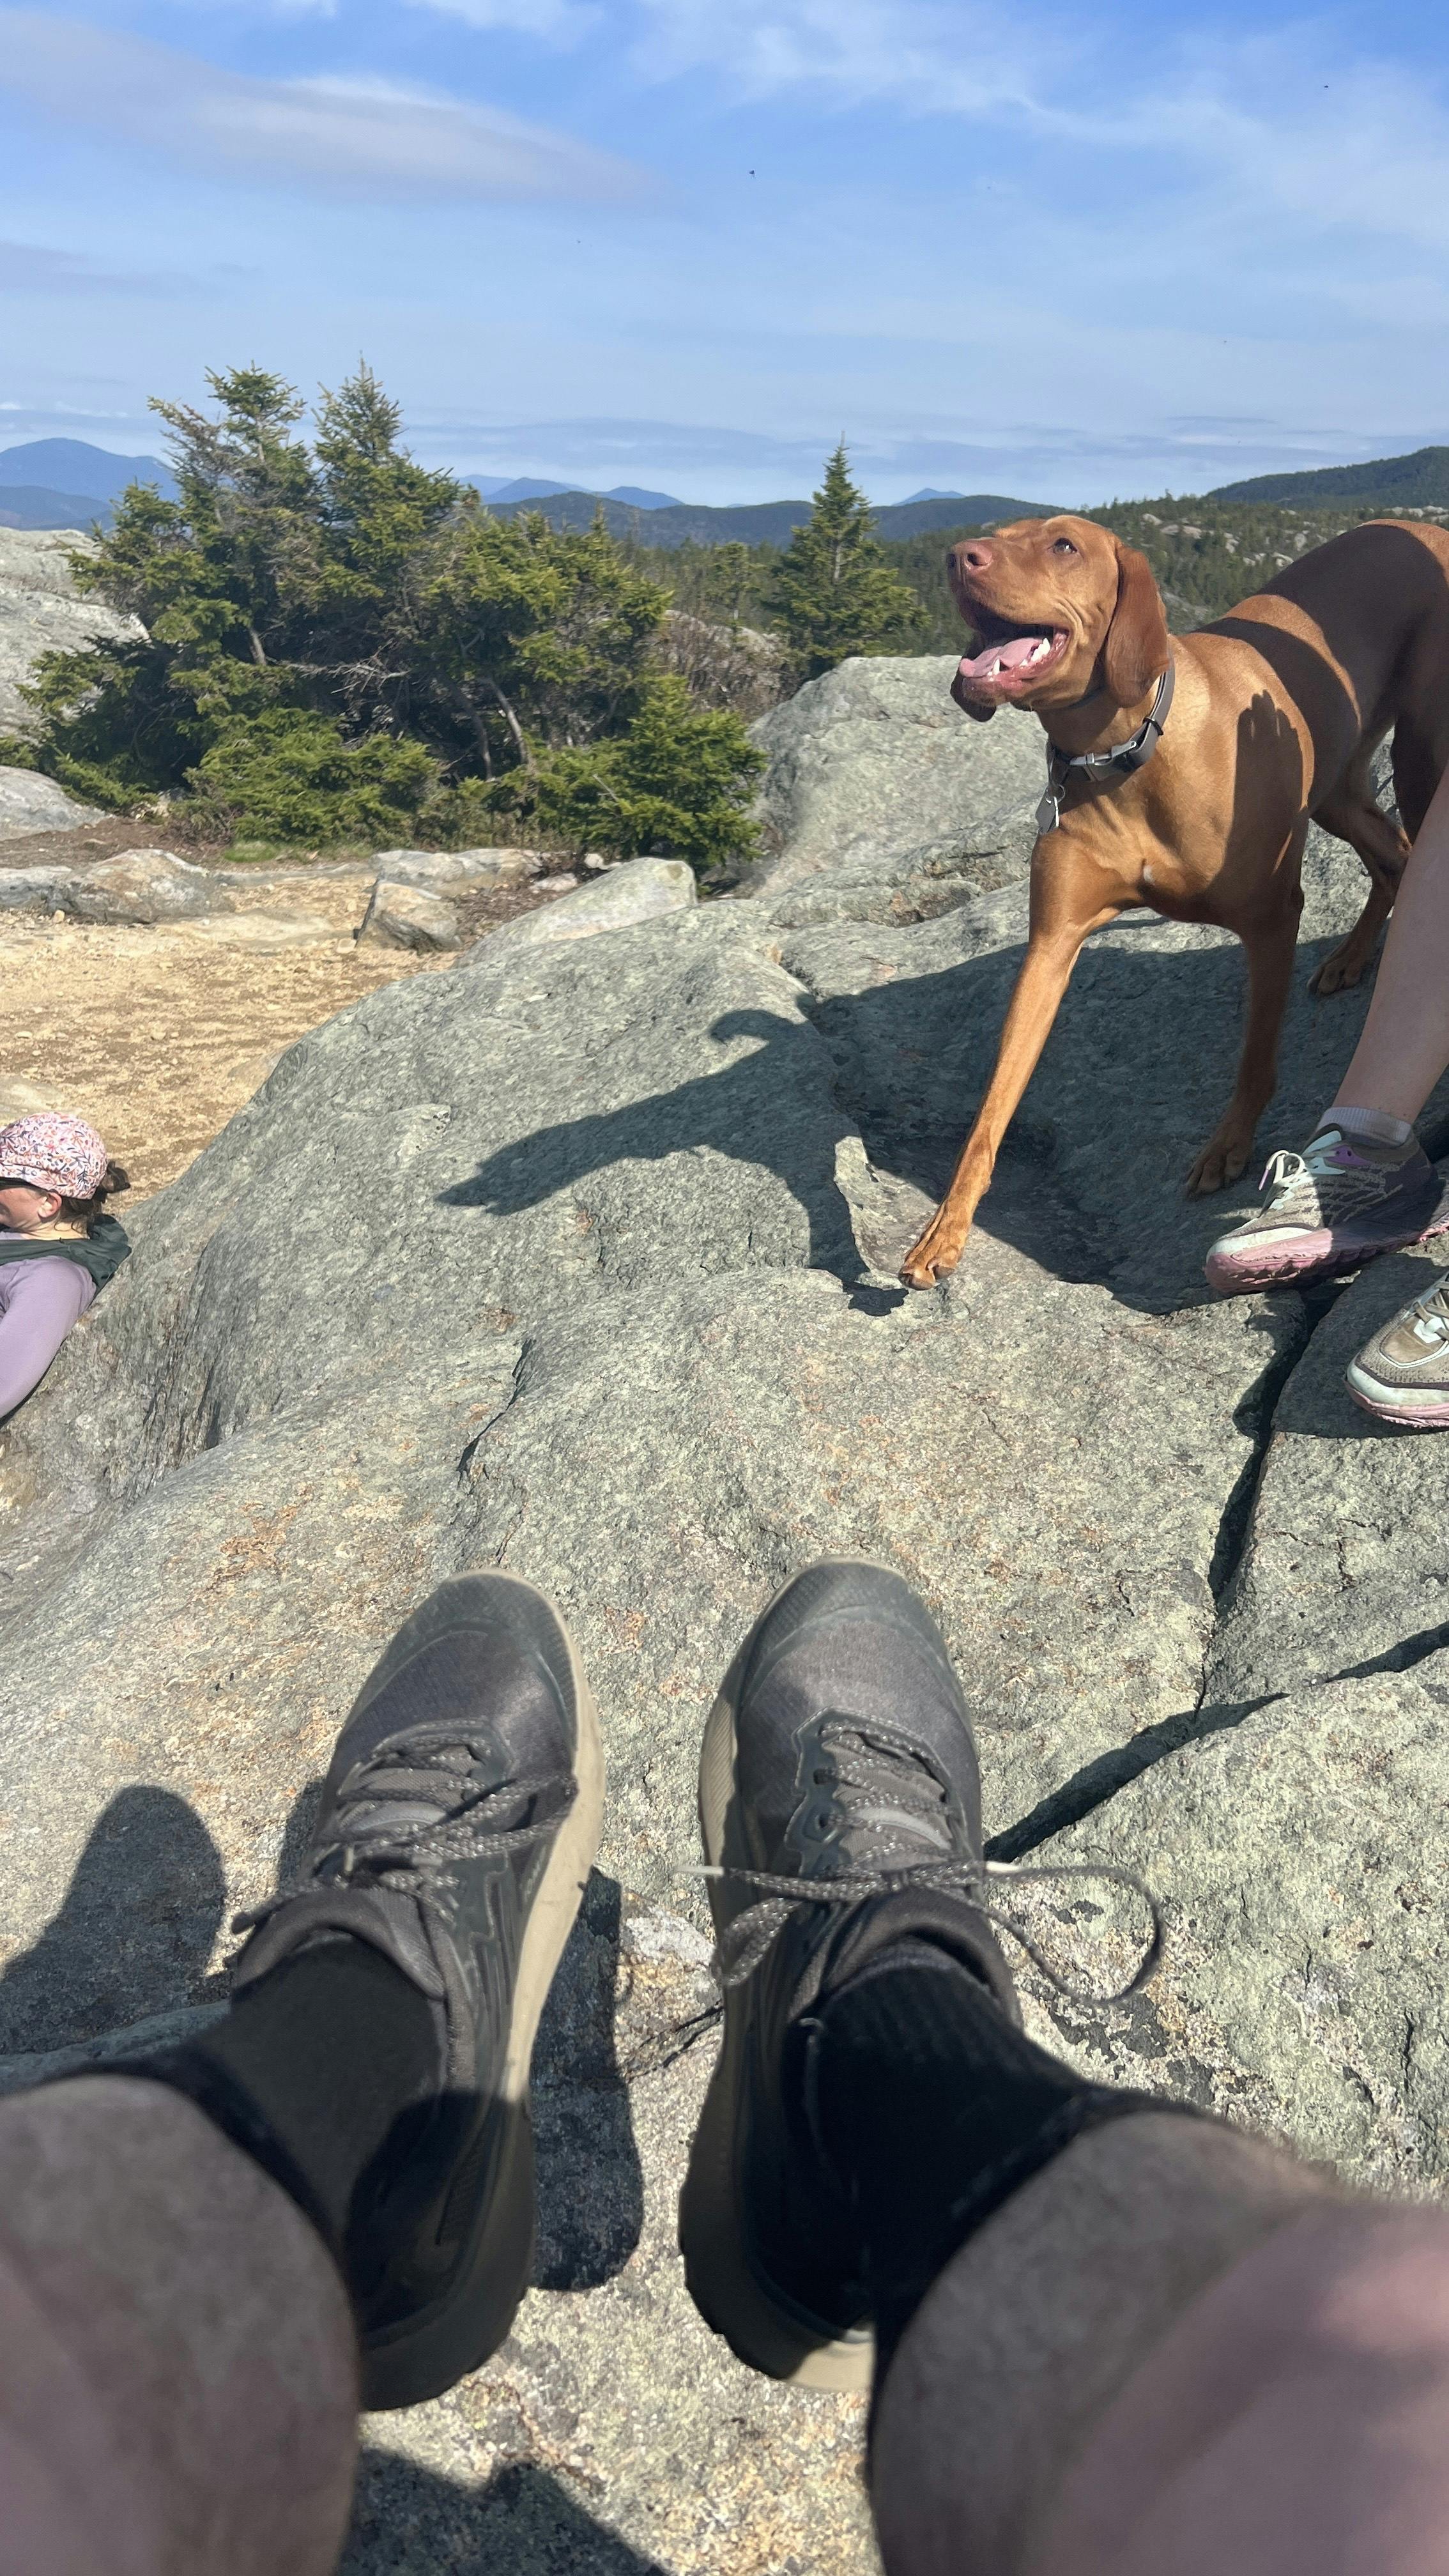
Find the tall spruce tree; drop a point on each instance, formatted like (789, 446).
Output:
(834, 591)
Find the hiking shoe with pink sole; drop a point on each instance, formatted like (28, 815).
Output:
(1330, 1209)
(1402, 1375)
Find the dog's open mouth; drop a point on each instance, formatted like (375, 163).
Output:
(1008, 655)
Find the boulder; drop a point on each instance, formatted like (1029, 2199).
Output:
(883, 802)
(460, 870)
(32, 803)
(582, 1263)
(35, 889)
(640, 890)
(141, 886)
(409, 916)
(724, 666)
(41, 611)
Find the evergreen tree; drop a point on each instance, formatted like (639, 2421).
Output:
(834, 590)
(341, 646)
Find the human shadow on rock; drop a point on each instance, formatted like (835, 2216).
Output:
(590, 2185)
(134, 1935)
(1090, 1182)
(407, 2521)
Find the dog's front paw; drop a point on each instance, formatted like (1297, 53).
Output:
(1223, 1159)
(934, 1254)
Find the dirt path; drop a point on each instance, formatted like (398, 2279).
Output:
(159, 1036)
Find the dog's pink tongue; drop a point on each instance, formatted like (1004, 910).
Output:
(1004, 657)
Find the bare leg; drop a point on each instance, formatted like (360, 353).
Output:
(1405, 1043)
(1175, 2351)
(178, 2381)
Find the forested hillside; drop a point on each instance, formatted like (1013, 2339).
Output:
(1381, 483)
(1206, 555)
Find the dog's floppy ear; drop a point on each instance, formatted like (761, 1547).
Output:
(968, 706)
(1137, 646)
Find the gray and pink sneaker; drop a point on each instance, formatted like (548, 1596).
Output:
(1402, 1375)
(1329, 1209)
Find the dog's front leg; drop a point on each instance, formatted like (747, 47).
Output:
(1062, 917)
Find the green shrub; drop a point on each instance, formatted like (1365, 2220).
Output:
(287, 775)
(678, 782)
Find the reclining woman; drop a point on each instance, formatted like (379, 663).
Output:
(57, 1245)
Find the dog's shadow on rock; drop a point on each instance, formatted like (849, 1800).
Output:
(764, 1107)
(135, 1932)
(1135, 1074)
(407, 2521)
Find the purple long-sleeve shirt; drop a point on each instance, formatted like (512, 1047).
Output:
(39, 1303)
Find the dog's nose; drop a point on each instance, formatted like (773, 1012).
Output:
(974, 555)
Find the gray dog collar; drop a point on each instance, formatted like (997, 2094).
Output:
(1118, 763)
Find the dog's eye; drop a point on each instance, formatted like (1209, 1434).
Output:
(1063, 546)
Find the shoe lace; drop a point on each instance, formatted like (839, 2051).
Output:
(1431, 1322)
(425, 1766)
(878, 1783)
(1283, 1169)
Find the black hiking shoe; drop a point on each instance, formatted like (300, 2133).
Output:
(840, 1803)
(458, 1822)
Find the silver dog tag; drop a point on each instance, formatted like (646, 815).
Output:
(1049, 811)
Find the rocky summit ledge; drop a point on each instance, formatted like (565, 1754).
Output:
(581, 1262)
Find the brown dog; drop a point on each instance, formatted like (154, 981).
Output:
(1277, 711)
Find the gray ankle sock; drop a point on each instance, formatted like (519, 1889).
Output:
(1374, 1125)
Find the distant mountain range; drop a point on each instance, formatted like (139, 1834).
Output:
(529, 488)
(67, 483)
(764, 523)
(31, 505)
(73, 466)
(1416, 482)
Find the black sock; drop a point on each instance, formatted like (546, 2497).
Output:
(933, 2108)
(313, 2071)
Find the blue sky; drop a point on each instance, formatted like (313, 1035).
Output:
(1064, 252)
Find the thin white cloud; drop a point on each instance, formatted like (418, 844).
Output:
(603, 450)
(334, 136)
(1353, 145)
(554, 22)
(31, 268)
(1362, 152)
(969, 57)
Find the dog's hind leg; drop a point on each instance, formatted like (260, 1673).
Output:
(1270, 946)
(1352, 812)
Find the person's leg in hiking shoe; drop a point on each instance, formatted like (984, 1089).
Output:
(210, 2255)
(1362, 1184)
(1085, 2309)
